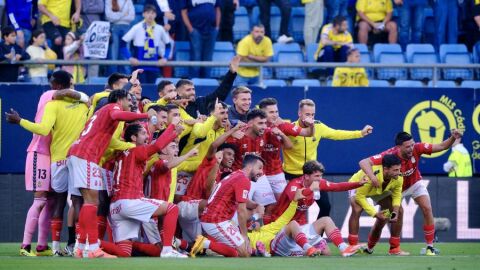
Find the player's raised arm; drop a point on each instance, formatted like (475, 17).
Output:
(167, 137)
(448, 142)
(175, 161)
(70, 93)
(366, 166)
(309, 122)
(286, 143)
(43, 128)
(342, 186)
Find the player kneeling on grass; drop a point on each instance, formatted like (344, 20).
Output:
(388, 195)
(229, 196)
(129, 208)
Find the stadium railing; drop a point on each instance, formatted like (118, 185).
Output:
(434, 67)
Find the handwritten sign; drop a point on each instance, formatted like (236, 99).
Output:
(96, 40)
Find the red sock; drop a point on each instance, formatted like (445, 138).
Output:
(109, 233)
(372, 241)
(169, 225)
(267, 219)
(120, 249)
(394, 242)
(301, 239)
(223, 249)
(102, 226)
(429, 231)
(353, 239)
(336, 237)
(183, 244)
(56, 227)
(89, 229)
(148, 249)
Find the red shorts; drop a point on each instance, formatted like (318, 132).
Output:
(37, 172)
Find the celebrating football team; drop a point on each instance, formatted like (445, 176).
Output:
(184, 175)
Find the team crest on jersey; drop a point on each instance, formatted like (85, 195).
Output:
(413, 160)
(262, 143)
(244, 146)
(245, 194)
(294, 188)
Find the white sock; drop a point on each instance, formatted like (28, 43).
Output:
(56, 245)
(206, 243)
(93, 247)
(342, 246)
(166, 249)
(306, 246)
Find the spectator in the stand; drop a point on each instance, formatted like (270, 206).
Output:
(459, 163)
(476, 18)
(350, 76)
(38, 73)
(202, 19)
(410, 24)
(256, 48)
(11, 52)
(446, 21)
(336, 8)
(22, 14)
(242, 100)
(56, 20)
(335, 41)
(92, 10)
(170, 16)
(72, 50)
(313, 20)
(375, 16)
(285, 11)
(120, 13)
(150, 43)
(227, 20)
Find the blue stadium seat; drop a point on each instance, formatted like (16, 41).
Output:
(138, 8)
(173, 80)
(182, 53)
(455, 54)
(274, 83)
(306, 82)
(288, 53)
(98, 80)
(296, 3)
(248, 3)
(255, 16)
(223, 52)
(297, 22)
(408, 83)
(310, 51)
(421, 54)
(241, 28)
(205, 82)
(378, 83)
(443, 84)
(275, 19)
(365, 57)
(471, 84)
(392, 54)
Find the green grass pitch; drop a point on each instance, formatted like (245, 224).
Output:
(454, 256)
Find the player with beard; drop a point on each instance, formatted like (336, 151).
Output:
(229, 196)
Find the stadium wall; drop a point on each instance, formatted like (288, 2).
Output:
(428, 113)
(458, 200)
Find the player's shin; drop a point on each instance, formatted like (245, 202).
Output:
(31, 221)
(169, 227)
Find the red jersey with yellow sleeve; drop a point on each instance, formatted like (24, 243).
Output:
(410, 172)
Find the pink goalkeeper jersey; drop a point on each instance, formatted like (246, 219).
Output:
(41, 144)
